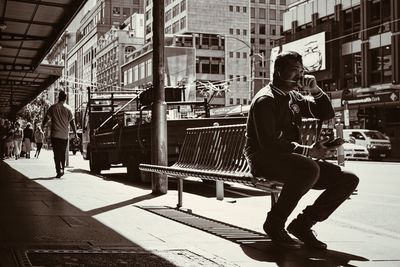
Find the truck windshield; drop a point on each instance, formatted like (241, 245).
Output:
(375, 135)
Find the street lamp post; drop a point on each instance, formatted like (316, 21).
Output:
(252, 62)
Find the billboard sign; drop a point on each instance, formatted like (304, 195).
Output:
(312, 49)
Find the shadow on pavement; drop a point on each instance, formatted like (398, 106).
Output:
(268, 252)
(45, 178)
(116, 177)
(120, 204)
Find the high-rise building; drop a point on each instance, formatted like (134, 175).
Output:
(80, 60)
(214, 25)
(112, 48)
(266, 27)
(353, 48)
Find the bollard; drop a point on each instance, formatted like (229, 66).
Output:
(219, 186)
(340, 150)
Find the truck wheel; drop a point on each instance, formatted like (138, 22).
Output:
(93, 163)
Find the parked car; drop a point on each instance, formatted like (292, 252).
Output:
(353, 152)
(377, 143)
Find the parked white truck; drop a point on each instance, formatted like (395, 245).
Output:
(377, 143)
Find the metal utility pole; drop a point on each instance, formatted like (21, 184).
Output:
(159, 151)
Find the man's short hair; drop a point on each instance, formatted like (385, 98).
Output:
(62, 96)
(284, 59)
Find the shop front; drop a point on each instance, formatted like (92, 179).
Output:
(375, 111)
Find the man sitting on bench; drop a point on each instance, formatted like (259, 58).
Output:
(272, 150)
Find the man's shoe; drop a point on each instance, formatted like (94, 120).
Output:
(58, 175)
(280, 237)
(304, 233)
(61, 173)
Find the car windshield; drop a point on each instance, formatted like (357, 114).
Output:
(375, 135)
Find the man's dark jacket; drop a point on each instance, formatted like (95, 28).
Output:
(274, 121)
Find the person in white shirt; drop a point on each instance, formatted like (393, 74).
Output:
(62, 118)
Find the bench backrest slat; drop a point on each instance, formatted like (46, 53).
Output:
(220, 148)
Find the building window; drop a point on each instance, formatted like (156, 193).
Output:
(231, 77)
(231, 8)
(231, 101)
(245, 78)
(244, 55)
(352, 70)
(116, 11)
(272, 2)
(237, 101)
(283, 2)
(272, 14)
(183, 23)
(281, 14)
(244, 32)
(253, 13)
(126, 12)
(262, 13)
(237, 31)
(237, 8)
(381, 65)
(262, 1)
(175, 10)
(231, 31)
(175, 27)
(215, 63)
(237, 54)
(253, 28)
(148, 15)
(262, 41)
(168, 15)
(272, 29)
(168, 29)
(183, 5)
(244, 9)
(261, 29)
(231, 54)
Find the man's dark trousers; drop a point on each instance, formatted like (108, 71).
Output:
(300, 174)
(59, 148)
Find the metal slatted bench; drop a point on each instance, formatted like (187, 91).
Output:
(216, 153)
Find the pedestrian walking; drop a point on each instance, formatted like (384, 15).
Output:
(17, 138)
(9, 139)
(28, 139)
(273, 150)
(61, 117)
(39, 136)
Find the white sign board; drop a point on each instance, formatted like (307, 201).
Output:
(312, 49)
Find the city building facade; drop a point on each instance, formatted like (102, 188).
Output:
(112, 48)
(357, 43)
(220, 34)
(266, 27)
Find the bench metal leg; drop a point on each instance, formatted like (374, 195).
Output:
(180, 193)
(219, 187)
(274, 197)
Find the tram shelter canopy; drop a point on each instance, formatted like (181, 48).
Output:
(28, 30)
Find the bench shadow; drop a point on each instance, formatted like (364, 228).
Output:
(45, 178)
(121, 204)
(305, 257)
(116, 177)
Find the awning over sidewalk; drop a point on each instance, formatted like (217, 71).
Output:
(28, 30)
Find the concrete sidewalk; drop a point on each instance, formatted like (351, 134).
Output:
(86, 213)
